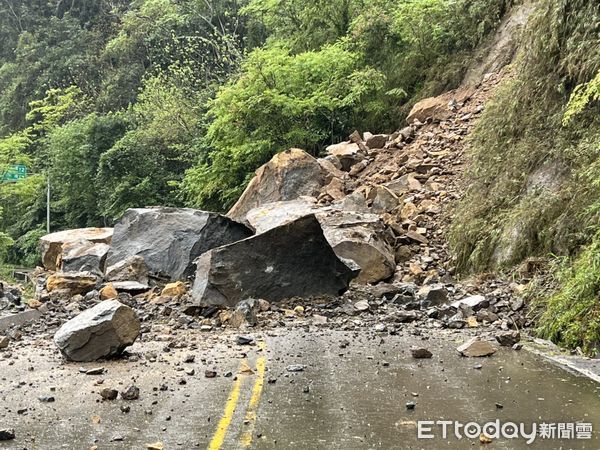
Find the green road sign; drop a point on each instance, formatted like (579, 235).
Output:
(16, 172)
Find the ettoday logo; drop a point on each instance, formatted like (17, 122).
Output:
(429, 429)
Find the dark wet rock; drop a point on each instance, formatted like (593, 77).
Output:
(410, 405)
(420, 353)
(432, 295)
(287, 261)
(475, 348)
(133, 268)
(170, 239)
(244, 340)
(508, 338)
(125, 408)
(51, 245)
(84, 256)
(7, 434)
(131, 392)
(102, 331)
(210, 373)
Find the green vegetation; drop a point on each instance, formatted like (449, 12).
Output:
(535, 173)
(533, 177)
(133, 103)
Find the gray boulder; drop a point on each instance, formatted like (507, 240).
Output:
(291, 260)
(99, 332)
(170, 239)
(84, 256)
(354, 236)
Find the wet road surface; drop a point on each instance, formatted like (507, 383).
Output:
(351, 394)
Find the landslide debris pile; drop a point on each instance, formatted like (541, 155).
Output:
(352, 239)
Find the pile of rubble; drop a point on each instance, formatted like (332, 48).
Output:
(351, 240)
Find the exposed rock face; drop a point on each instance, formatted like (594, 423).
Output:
(71, 283)
(354, 236)
(51, 245)
(287, 176)
(83, 256)
(287, 261)
(102, 331)
(133, 268)
(170, 239)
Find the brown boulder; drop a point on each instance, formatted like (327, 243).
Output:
(287, 176)
(51, 245)
(71, 283)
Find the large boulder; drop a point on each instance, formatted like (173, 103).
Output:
(170, 239)
(99, 332)
(83, 256)
(291, 260)
(355, 236)
(287, 176)
(71, 283)
(51, 245)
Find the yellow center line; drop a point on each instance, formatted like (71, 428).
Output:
(219, 437)
(250, 418)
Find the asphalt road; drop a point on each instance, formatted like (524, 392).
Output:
(351, 393)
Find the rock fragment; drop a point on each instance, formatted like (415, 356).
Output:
(102, 331)
(476, 348)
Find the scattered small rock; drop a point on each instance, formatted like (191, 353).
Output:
(7, 434)
(109, 394)
(420, 353)
(132, 392)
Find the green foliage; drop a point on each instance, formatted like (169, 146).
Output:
(74, 152)
(532, 184)
(582, 95)
(117, 100)
(280, 100)
(572, 315)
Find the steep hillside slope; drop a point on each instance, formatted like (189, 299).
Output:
(533, 182)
